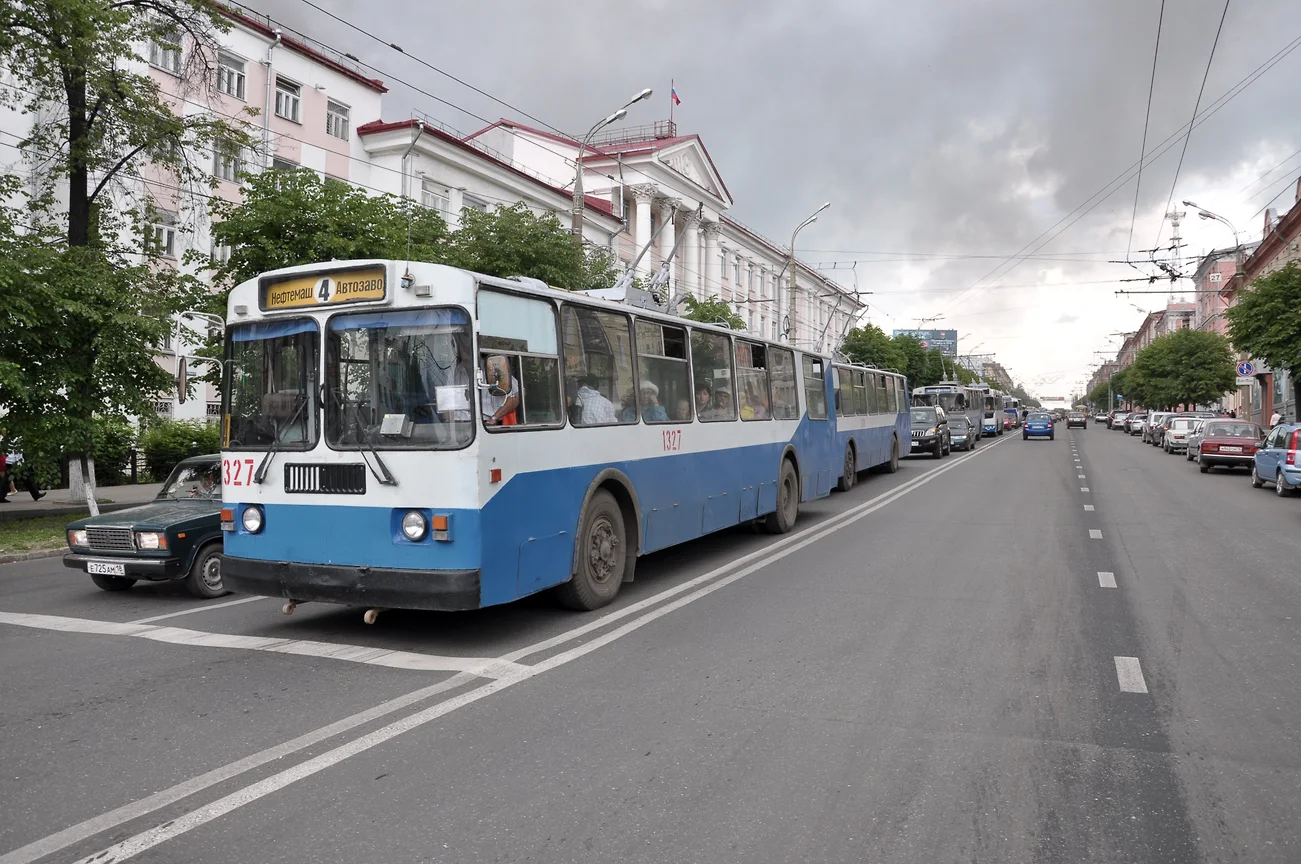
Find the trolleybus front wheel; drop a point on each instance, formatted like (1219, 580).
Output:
(602, 556)
(850, 477)
(782, 520)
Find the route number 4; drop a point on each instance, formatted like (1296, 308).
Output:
(237, 472)
(672, 439)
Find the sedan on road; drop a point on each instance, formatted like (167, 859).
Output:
(1176, 435)
(1154, 421)
(962, 435)
(1134, 423)
(1037, 425)
(1077, 418)
(175, 536)
(1278, 460)
(1225, 443)
(1117, 420)
(930, 431)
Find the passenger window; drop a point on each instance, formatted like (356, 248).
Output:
(599, 382)
(752, 380)
(519, 361)
(897, 402)
(785, 405)
(844, 381)
(665, 384)
(814, 388)
(711, 361)
(882, 405)
(860, 394)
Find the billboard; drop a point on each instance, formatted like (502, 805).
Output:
(945, 340)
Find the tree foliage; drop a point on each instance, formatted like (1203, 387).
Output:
(1186, 367)
(1266, 321)
(166, 442)
(109, 155)
(711, 311)
(871, 346)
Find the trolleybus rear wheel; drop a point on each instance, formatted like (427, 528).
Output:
(782, 520)
(892, 466)
(850, 476)
(602, 556)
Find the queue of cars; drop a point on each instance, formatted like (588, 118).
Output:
(1213, 440)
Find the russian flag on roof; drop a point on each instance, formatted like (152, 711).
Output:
(674, 92)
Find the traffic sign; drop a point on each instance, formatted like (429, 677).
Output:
(1246, 369)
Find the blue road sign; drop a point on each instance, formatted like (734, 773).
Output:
(1246, 368)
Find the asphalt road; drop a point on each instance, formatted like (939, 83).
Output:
(935, 667)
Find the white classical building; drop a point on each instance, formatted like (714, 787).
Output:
(666, 186)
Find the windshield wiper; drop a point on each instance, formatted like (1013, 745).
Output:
(262, 467)
(387, 479)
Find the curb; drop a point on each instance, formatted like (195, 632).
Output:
(61, 510)
(30, 556)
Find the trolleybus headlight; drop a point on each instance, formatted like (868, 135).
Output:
(414, 525)
(252, 519)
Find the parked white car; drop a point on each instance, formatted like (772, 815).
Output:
(1176, 437)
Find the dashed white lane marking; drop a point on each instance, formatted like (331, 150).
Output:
(1130, 675)
(756, 560)
(486, 667)
(1081, 476)
(198, 609)
(1084, 488)
(1088, 507)
(1095, 534)
(1106, 579)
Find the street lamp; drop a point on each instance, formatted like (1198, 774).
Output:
(577, 226)
(792, 311)
(1207, 214)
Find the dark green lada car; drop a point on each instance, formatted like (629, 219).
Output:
(175, 536)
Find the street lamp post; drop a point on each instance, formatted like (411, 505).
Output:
(577, 225)
(792, 311)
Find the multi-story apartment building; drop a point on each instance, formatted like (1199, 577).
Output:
(1279, 246)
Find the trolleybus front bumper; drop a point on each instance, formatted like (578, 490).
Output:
(383, 587)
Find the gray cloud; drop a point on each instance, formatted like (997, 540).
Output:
(952, 127)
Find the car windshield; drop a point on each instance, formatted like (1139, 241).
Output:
(1231, 430)
(923, 416)
(1183, 423)
(193, 480)
(958, 424)
(399, 379)
(271, 385)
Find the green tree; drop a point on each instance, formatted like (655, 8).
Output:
(514, 241)
(295, 217)
(87, 298)
(871, 346)
(711, 311)
(1186, 367)
(1266, 322)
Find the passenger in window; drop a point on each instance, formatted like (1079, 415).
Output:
(596, 409)
(651, 409)
(723, 409)
(499, 401)
(704, 399)
(755, 408)
(629, 406)
(683, 414)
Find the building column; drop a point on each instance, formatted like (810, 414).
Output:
(644, 195)
(691, 277)
(711, 273)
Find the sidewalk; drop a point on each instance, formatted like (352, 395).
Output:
(56, 502)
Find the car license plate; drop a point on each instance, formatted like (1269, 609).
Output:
(1230, 449)
(105, 569)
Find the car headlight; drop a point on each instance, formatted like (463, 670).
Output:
(414, 525)
(151, 540)
(930, 431)
(252, 519)
(78, 537)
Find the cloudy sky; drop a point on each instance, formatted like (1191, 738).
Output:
(949, 135)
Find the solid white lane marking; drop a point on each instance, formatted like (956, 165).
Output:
(1088, 507)
(1106, 579)
(1095, 534)
(198, 609)
(486, 667)
(1084, 488)
(154, 836)
(1130, 675)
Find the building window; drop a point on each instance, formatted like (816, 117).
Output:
(220, 253)
(164, 240)
(722, 267)
(213, 409)
(230, 75)
(736, 273)
(227, 162)
(336, 120)
(278, 164)
(287, 96)
(469, 202)
(163, 408)
(434, 196)
(165, 51)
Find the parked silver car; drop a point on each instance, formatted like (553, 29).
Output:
(1154, 421)
(1134, 423)
(1176, 436)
